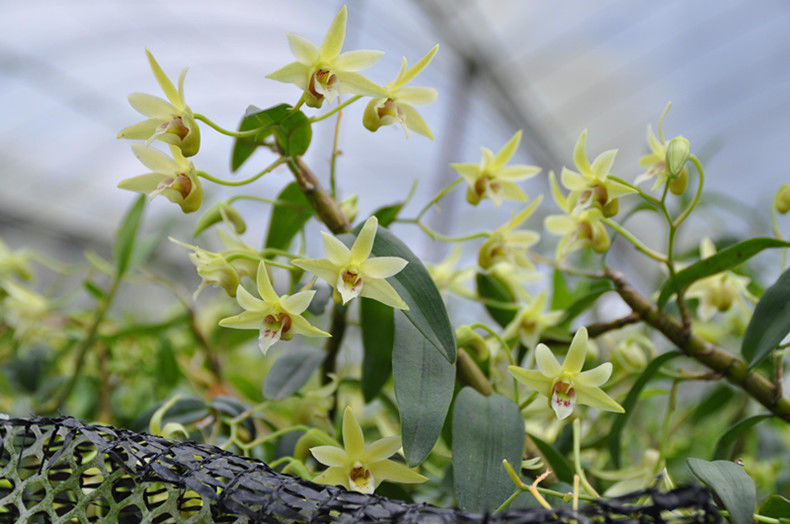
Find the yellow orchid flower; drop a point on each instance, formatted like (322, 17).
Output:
(531, 321)
(171, 122)
(360, 467)
(322, 72)
(506, 245)
(492, 178)
(22, 309)
(717, 293)
(566, 385)
(174, 178)
(213, 268)
(14, 263)
(579, 227)
(352, 272)
(655, 162)
(397, 106)
(448, 278)
(591, 185)
(277, 317)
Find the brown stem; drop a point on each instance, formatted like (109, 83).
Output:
(597, 329)
(470, 374)
(323, 203)
(716, 359)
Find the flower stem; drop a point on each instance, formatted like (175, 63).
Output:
(246, 181)
(577, 458)
(635, 241)
(682, 217)
(339, 107)
(444, 238)
(441, 194)
(218, 128)
(333, 161)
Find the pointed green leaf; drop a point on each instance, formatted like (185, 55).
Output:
(494, 290)
(291, 371)
(620, 419)
(734, 487)
(416, 287)
(777, 507)
(387, 214)
(724, 445)
(723, 260)
(584, 297)
(255, 118)
(424, 382)
(378, 332)
(289, 215)
(770, 322)
(486, 430)
(293, 133)
(124, 239)
(558, 463)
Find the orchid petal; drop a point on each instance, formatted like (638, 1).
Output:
(408, 75)
(321, 267)
(379, 289)
(301, 326)
(580, 155)
(533, 378)
(295, 304)
(304, 50)
(394, 472)
(419, 96)
(577, 352)
(333, 41)
(294, 73)
(415, 122)
(152, 106)
(357, 60)
(265, 288)
(353, 439)
(167, 86)
(603, 163)
(382, 267)
(334, 476)
(470, 172)
(596, 398)
(244, 320)
(360, 251)
(507, 152)
(143, 183)
(141, 130)
(336, 251)
(248, 301)
(595, 377)
(382, 449)
(154, 159)
(330, 455)
(355, 83)
(547, 363)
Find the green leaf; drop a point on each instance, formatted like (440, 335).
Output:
(97, 292)
(777, 507)
(559, 464)
(770, 322)
(724, 445)
(731, 484)
(255, 118)
(124, 239)
(378, 332)
(492, 288)
(184, 411)
(486, 430)
(584, 297)
(167, 369)
(387, 214)
(213, 215)
(416, 287)
(288, 217)
(424, 382)
(721, 261)
(615, 434)
(717, 399)
(293, 133)
(291, 371)
(562, 296)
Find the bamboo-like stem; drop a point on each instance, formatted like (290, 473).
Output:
(470, 374)
(733, 369)
(325, 206)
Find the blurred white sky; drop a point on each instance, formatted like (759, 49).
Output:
(553, 68)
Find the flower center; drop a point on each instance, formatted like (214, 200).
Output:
(176, 127)
(180, 183)
(563, 399)
(361, 479)
(321, 83)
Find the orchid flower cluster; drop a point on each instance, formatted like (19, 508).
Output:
(547, 359)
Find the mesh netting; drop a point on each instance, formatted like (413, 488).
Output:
(61, 469)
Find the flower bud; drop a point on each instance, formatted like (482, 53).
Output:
(350, 208)
(220, 211)
(677, 185)
(678, 152)
(467, 338)
(215, 270)
(630, 355)
(599, 239)
(611, 208)
(782, 199)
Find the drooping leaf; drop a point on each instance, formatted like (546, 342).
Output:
(777, 507)
(486, 430)
(727, 440)
(378, 333)
(731, 484)
(717, 399)
(97, 292)
(620, 419)
(591, 292)
(291, 371)
(255, 118)
(424, 382)
(416, 287)
(493, 289)
(558, 463)
(289, 215)
(725, 259)
(185, 411)
(124, 240)
(770, 322)
(293, 133)
(387, 214)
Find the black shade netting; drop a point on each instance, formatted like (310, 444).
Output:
(63, 470)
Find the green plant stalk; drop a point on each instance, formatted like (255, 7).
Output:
(236, 183)
(435, 200)
(470, 374)
(635, 241)
(720, 361)
(90, 339)
(334, 110)
(577, 458)
(325, 206)
(218, 128)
